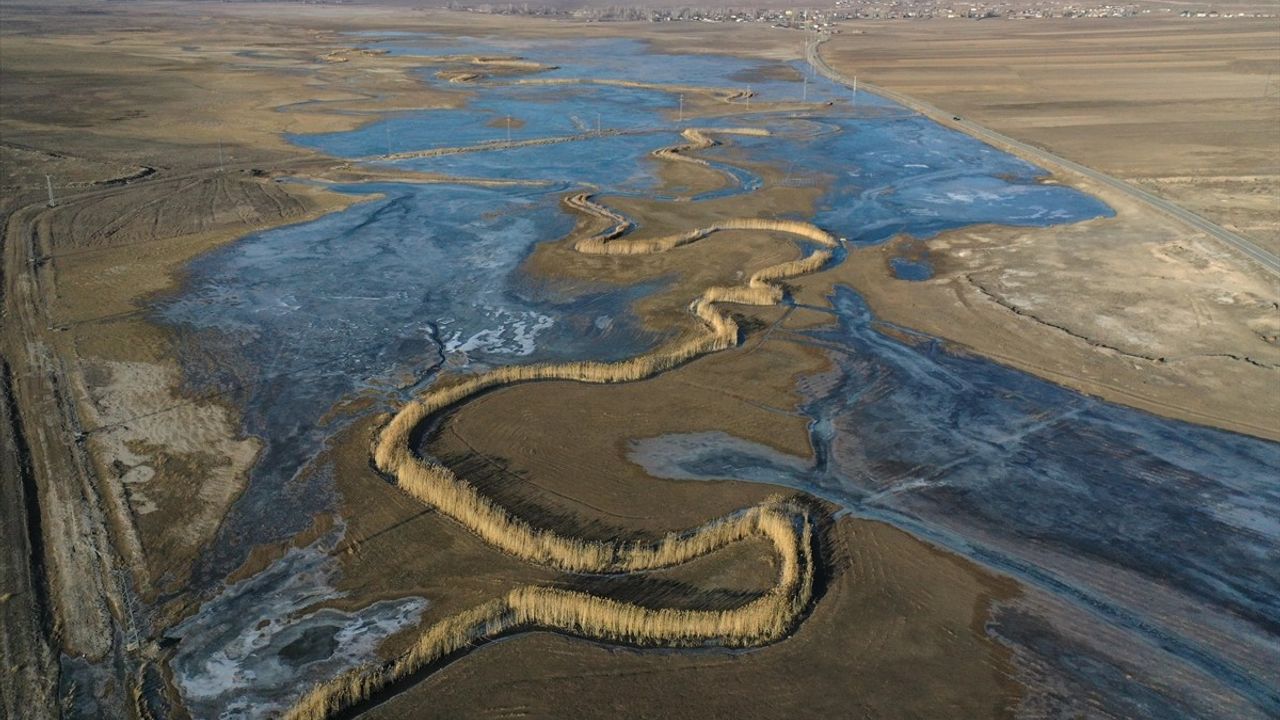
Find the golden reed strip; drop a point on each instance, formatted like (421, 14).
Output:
(785, 525)
(728, 95)
(700, 139)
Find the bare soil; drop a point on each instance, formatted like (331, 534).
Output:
(1186, 107)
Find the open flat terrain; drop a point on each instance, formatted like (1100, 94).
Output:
(1029, 481)
(1186, 107)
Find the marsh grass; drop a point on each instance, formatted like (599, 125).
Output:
(787, 526)
(726, 95)
(700, 139)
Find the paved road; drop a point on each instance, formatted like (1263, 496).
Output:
(1267, 259)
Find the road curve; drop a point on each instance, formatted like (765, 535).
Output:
(1251, 250)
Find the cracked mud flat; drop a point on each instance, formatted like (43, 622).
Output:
(1158, 536)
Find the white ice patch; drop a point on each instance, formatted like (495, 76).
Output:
(254, 649)
(514, 333)
(963, 197)
(922, 212)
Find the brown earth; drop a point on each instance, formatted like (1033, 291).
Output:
(1186, 107)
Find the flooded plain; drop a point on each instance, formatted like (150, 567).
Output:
(1160, 531)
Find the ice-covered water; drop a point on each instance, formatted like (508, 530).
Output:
(1162, 529)
(364, 299)
(908, 269)
(252, 649)
(372, 301)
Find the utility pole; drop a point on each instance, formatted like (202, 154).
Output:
(48, 182)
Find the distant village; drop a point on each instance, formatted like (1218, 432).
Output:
(826, 18)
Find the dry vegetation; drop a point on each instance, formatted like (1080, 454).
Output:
(728, 95)
(785, 526)
(764, 619)
(144, 86)
(186, 209)
(700, 139)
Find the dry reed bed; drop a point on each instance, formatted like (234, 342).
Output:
(784, 525)
(489, 61)
(700, 139)
(459, 76)
(764, 619)
(499, 145)
(342, 55)
(728, 95)
(516, 63)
